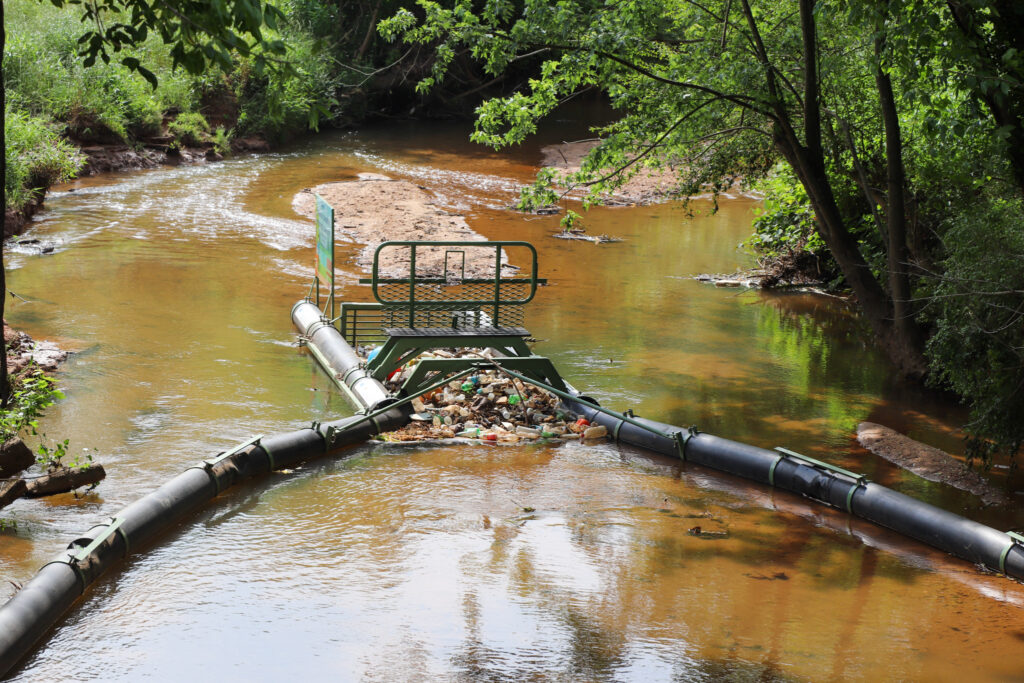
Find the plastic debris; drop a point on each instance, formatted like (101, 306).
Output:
(490, 406)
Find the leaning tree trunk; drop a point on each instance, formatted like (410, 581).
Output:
(808, 162)
(907, 335)
(5, 389)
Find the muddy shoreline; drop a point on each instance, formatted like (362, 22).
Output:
(24, 354)
(647, 186)
(927, 462)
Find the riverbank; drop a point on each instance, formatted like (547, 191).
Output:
(645, 186)
(25, 353)
(927, 462)
(190, 353)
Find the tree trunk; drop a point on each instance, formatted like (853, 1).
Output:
(907, 334)
(808, 161)
(809, 164)
(5, 389)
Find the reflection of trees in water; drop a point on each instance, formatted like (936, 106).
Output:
(658, 580)
(805, 375)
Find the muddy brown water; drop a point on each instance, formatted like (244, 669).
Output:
(473, 562)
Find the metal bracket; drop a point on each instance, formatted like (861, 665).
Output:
(329, 436)
(113, 527)
(1015, 539)
(220, 457)
(683, 438)
(208, 464)
(858, 479)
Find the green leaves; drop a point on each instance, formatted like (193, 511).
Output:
(199, 34)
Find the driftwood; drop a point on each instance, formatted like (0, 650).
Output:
(11, 491)
(15, 456)
(64, 479)
(926, 461)
(583, 237)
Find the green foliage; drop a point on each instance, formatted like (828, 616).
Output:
(976, 304)
(786, 223)
(284, 80)
(29, 400)
(104, 103)
(279, 104)
(58, 456)
(197, 34)
(222, 140)
(189, 128)
(720, 89)
(36, 158)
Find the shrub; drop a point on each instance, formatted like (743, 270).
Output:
(37, 157)
(976, 306)
(30, 398)
(190, 128)
(222, 140)
(786, 223)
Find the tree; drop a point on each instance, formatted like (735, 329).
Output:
(902, 121)
(199, 34)
(716, 87)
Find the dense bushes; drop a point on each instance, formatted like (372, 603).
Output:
(37, 157)
(975, 302)
(966, 247)
(51, 94)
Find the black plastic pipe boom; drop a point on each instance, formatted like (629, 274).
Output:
(34, 609)
(956, 535)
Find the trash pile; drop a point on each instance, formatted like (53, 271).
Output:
(489, 406)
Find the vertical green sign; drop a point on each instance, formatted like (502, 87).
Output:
(324, 243)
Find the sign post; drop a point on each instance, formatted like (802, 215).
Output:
(325, 251)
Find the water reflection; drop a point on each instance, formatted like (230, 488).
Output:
(468, 562)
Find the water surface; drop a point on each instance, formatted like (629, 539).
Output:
(473, 562)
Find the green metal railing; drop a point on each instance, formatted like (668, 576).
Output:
(361, 323)
(438, 295)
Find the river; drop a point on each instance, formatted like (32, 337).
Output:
(173, 287)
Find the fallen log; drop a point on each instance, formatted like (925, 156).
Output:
(64, 479)
(11, 491)
(583, 237)
(15, 456)
(927, 462)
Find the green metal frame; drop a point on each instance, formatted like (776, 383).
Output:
(398, 351)
(360, 323)
(493, 304)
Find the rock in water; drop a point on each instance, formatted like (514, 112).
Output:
(15, 456)
(10, 491)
